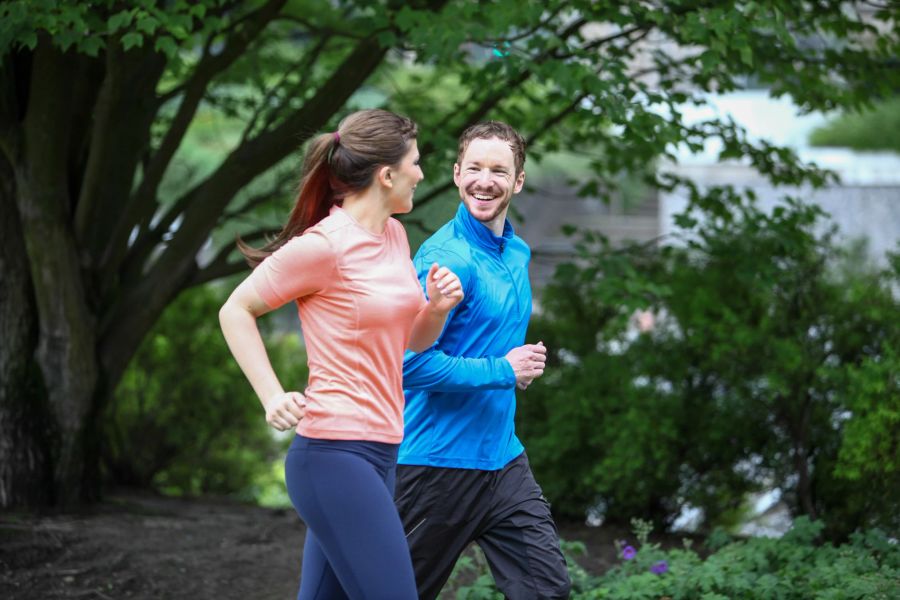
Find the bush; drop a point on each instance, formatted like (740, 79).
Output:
(185, 420)
(867, 130)
(768, 367)
(792, 567)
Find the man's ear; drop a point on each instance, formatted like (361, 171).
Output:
(385, 176)
(520, 181)
(456, 172)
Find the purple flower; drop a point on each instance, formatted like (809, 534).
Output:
(628, 552)
(660, 567)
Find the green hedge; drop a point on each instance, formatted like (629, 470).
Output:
(773, 364)
(789, 568)
(185, 420)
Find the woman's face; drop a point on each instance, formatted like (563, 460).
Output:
(405, 175)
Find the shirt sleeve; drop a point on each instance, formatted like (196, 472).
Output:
(437, 371)
(302, 266)
(434, 369)
(400, 232)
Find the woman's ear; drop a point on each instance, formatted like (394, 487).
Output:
(385, 176)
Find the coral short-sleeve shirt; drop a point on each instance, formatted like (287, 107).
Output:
(357, 295)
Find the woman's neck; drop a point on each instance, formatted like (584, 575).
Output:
(367, 209)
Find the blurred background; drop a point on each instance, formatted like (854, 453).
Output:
(712, 201)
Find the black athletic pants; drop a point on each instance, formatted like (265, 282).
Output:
(504, 512)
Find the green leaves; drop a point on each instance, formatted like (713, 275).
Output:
(759, 353)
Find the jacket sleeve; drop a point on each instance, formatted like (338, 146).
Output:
(434, 369)
(437, 371)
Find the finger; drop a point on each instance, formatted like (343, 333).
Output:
(447, 280)
(432, 270)
(295, 414)
(452, 288)
(439, 273)
(296, 409)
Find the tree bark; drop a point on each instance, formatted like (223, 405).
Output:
(25, 462)
(66, 348)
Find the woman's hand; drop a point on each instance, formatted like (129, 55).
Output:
(444, 289)
(284, 410)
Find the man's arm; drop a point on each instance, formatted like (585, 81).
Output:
(435, 370)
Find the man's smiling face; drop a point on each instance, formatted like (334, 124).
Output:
(486, 178)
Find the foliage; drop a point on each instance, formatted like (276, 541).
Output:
(96, 100)
(792, 567)
(875, 128)
(185, 421)
(766, 366)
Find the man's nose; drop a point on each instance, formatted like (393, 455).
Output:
(484, 176)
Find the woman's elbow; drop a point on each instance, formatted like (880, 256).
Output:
(418, 346)
(229, 312)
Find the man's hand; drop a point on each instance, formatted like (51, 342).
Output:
(284, 411)
(527, 362)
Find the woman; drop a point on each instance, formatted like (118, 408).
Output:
(346, 264)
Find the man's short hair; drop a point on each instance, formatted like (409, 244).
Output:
(494, 129)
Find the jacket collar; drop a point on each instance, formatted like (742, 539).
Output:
(479, 233)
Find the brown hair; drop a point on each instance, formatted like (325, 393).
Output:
(337, 164)
(494, 129)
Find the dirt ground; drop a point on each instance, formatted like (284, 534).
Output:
(139, 546)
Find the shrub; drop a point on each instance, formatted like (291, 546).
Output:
(792, 567)
(768, 367)
(186, 421)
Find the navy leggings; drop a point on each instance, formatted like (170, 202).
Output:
(355, 546)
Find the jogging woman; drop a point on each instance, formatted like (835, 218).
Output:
(345, 262)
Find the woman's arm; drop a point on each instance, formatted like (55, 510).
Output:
(444, 292)
(238, 320)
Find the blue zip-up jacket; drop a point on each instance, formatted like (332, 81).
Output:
(460, 394)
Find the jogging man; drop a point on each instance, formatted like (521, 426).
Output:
(463, 475)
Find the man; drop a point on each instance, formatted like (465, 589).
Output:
(463, 475)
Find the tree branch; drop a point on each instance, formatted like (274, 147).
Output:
(126, 96)
(325, 31)
(143, 204)
(140, 305)
(528, 32)
(138, 309)
(305, 67)
(257, 200)
(10, 111)
(211, 274)
(220, 266)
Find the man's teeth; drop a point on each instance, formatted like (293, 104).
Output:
(482, 197)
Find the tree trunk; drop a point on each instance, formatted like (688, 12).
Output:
(25, 459)
(801, 461)
(66, 345)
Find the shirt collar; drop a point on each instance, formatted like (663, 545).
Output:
(478, 232)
